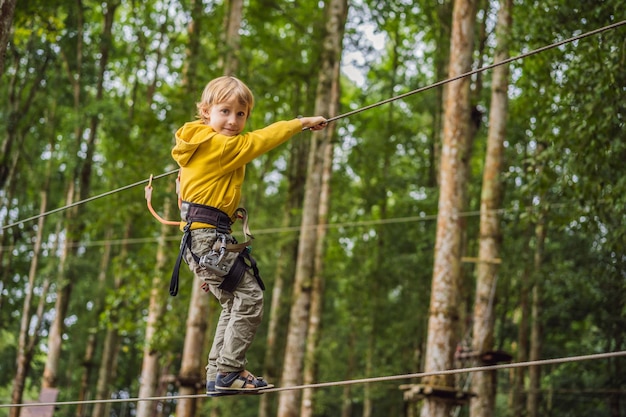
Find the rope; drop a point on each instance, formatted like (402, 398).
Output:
(485, 68)
(353, 112)
(87, 200)
(348, 382)
(298, 228)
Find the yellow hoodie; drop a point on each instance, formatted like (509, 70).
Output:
(212, 166)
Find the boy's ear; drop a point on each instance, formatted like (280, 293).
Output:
(205, 113)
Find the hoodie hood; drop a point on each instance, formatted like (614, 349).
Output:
(189, 138)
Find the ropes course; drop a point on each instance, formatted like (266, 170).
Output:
(346, 382)
(353, 112)
(363, 380)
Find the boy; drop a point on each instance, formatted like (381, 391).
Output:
(212, 154)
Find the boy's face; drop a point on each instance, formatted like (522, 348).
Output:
(228, 117)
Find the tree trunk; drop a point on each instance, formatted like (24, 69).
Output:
(82, 176)
(443, 318)
(317, 294)
(305, 268)
(92, 340)
(106, 372)
(193, 356)
(534, 372)
(150, 366)
(192, 52)
(441, 63)
(232, 24)
(108, 360)
(287, 252)
(60, 307)
(483, 383)
(346, 395)
(516, 397)
(7, 196)
(20, 100)
(7, 9)
(24, 355)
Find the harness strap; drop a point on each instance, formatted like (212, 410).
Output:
(251, 262)
(184, 245)
(193, 212)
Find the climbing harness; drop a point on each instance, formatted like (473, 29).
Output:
(227, 259)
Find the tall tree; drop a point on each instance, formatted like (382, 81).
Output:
(7, 9)
(150, 369)
(110, 345)
(231, 43)
(534, 372)
(79, 186)
(483, 383)
(27, 342)
(456, 130)
(288, 406)
(89, 363)
(317, 289)
(288, 251)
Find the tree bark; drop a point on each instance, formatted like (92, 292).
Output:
(106, 372)
(443, 318)
(24, 354)
(317, 294)
(305, 267)
(7, 10)
(55, 335)
(150, 366)
(232, 24)
(82, 176)
(193, 356)
(287, 252)
(7, 197)
(534, 372)
(516, 397)
(483, 383)
(92, 340)
(443, 13)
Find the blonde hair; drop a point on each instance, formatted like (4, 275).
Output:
(221, 89)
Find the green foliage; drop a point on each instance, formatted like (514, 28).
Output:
(569, 101)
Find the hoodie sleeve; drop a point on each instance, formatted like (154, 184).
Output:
(239, 150)
(213, 165)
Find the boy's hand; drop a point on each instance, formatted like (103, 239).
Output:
(313, 123)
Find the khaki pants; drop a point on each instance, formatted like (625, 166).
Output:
(242, 310)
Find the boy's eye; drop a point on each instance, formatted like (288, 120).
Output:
(241, 114)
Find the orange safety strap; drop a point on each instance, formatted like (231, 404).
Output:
(148, 190)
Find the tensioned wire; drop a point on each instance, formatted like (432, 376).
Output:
(353, 112)
(347, 382)
(297, 228)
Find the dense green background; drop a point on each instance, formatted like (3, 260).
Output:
(384, 195)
